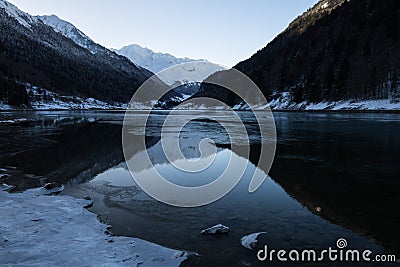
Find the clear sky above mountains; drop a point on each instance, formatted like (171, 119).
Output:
(221, 31)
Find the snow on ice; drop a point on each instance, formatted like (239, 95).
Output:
(39, 230)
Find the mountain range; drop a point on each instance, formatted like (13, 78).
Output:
(157, 62)
(140, 56)
(339, 54)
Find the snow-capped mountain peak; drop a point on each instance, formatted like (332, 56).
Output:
(23, 18)
(66, 29)
(147, 58)
(156, 62)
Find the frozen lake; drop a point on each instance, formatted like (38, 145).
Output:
(335, 175)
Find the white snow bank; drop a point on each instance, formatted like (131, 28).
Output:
(250, 241)
(285, 102)
(37, 230)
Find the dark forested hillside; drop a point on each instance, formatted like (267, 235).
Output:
(34, 53)
(351, 51)
(336, 50)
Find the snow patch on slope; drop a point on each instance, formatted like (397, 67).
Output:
(189, 72)
(326, 5)
(39, 230)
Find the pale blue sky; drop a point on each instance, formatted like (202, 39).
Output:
(222, 31)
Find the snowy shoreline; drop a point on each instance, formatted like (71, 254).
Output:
(44, 100)
(39, 230)
(389, 111)
(285, 102)
(273, 110)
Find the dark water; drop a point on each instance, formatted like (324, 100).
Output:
(335, 175)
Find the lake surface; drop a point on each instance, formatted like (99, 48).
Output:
(335, 175)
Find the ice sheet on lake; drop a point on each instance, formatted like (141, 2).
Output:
(39, 230)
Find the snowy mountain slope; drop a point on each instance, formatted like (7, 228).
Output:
(60, 59)
(157, 62)
(66, 29)
(71, 32)
(23, 18)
